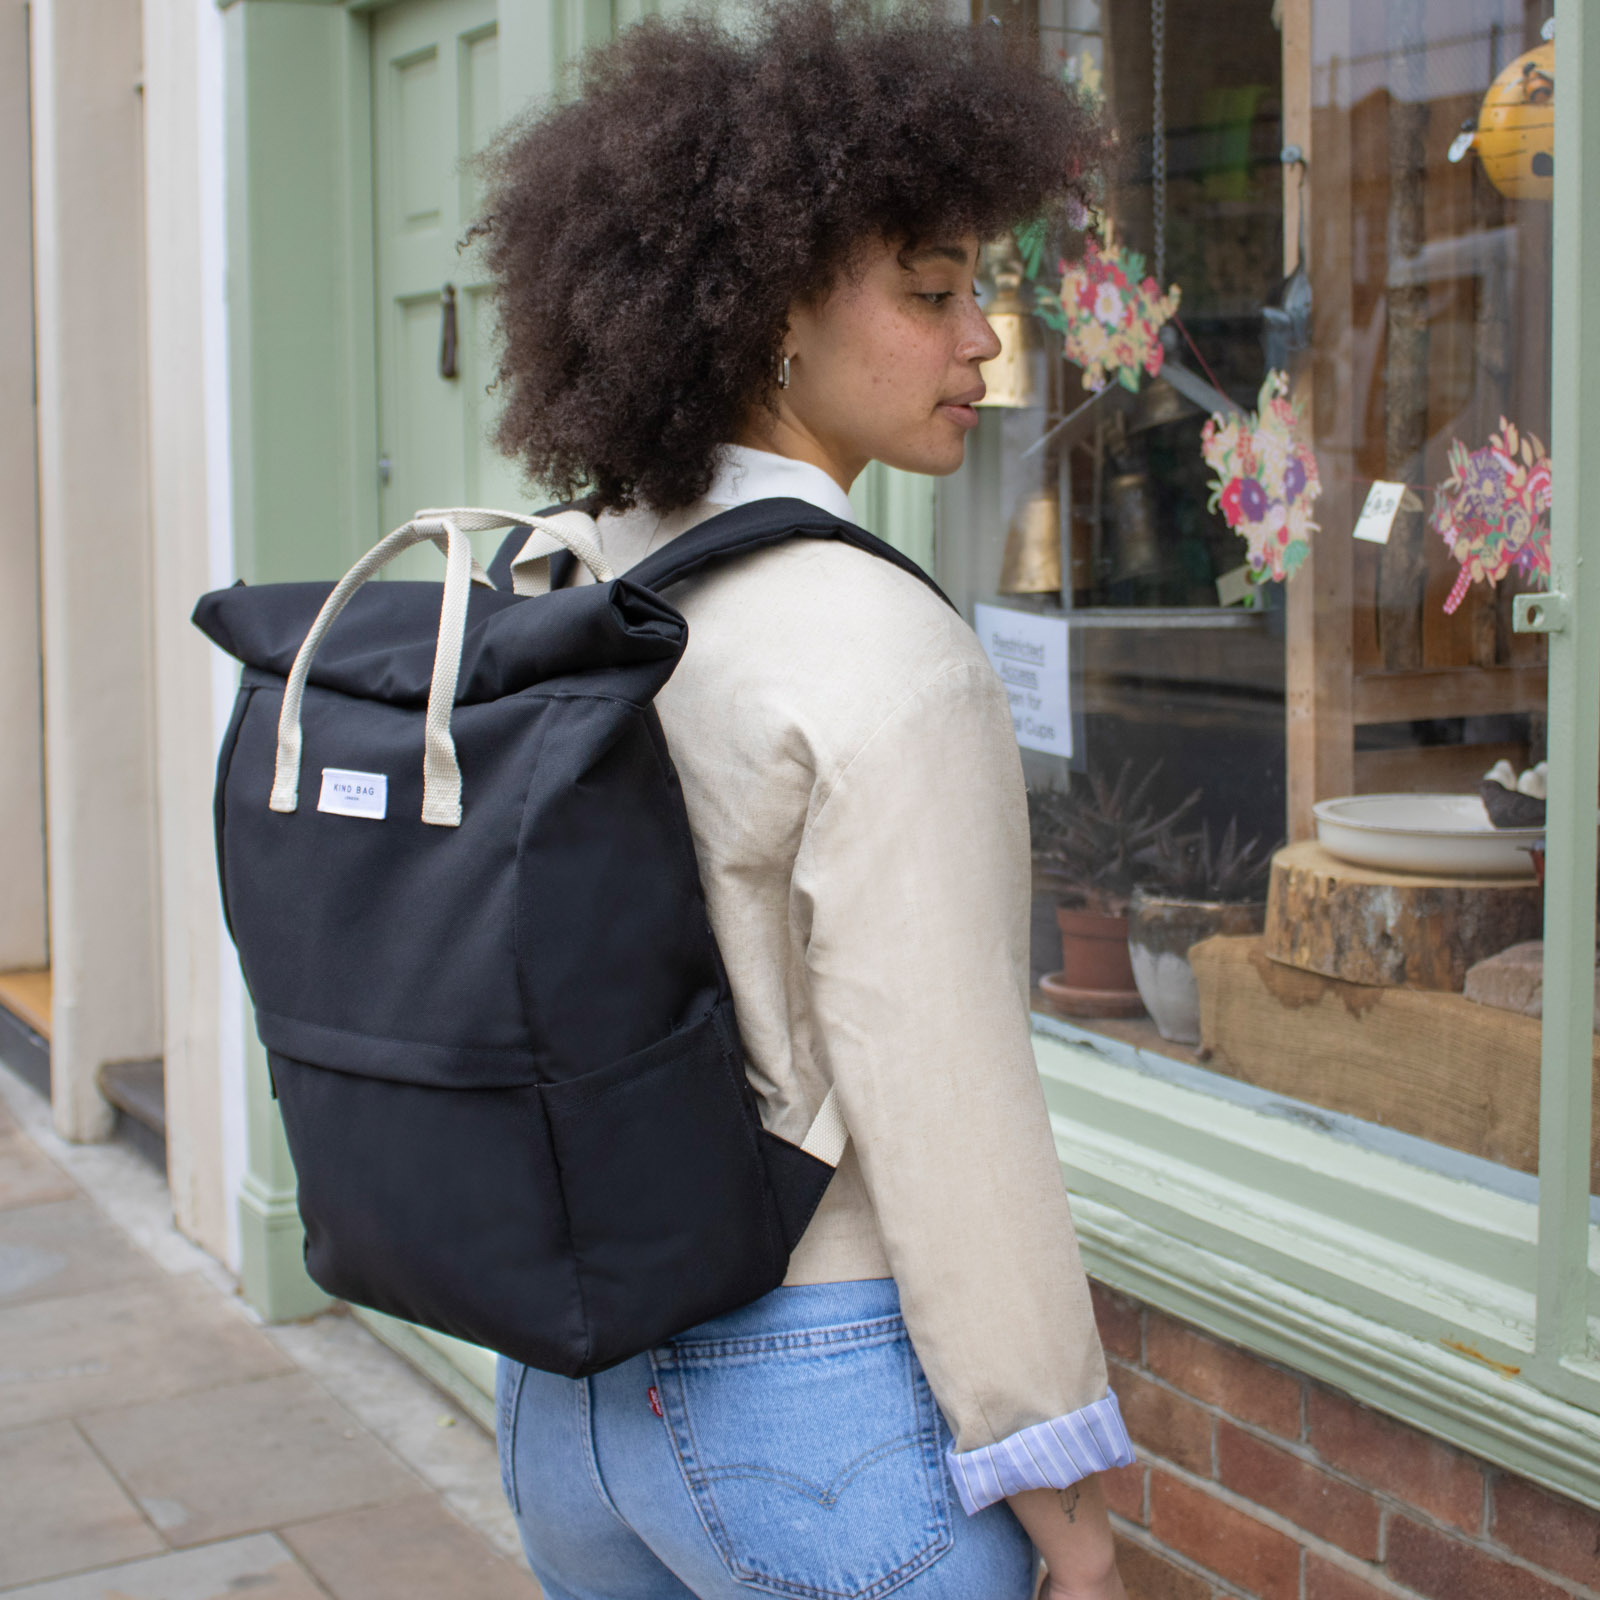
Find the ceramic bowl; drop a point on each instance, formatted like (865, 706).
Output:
(1439, 835)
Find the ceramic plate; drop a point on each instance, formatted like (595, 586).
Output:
(1443, 835)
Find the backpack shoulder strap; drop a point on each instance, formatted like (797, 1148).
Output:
(754, 526)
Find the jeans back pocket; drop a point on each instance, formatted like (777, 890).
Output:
(813, 1457)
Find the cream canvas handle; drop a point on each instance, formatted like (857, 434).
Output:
(827, 1135)
(441, 774)
(530, 567)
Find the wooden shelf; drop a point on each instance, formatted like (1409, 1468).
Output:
(26, 995)
(1377, 697)
(1425, 1062)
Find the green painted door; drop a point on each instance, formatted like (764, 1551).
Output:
(435, 103)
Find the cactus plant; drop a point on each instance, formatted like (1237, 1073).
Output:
(1090, 840)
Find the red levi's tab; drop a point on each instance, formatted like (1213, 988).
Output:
(655, 1401)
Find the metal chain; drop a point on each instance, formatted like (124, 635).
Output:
(1158, 140)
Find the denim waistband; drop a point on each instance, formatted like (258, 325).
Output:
(795, 1307)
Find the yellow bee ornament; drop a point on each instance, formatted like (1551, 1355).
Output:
(1515, 131)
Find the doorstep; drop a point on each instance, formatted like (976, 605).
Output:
(138, 1091)
(25, 1009)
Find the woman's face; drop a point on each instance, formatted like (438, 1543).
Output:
(885, 367)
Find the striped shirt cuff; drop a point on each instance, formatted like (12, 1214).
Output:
(1049, 1455)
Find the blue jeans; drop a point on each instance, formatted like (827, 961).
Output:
(790, 1448)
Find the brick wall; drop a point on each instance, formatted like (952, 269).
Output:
(1255, 1480)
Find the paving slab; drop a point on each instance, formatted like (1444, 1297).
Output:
(129, 1191)
(60, 1509)
(211, 1434)
(429, 1432)
(27, 1176)
(246, 1457)
(257, 1568)
(409, 1550)
(84, 1353)
(64, 1247)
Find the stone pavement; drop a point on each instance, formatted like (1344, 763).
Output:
(158, 1443)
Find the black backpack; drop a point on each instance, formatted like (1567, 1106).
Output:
(496, 1018)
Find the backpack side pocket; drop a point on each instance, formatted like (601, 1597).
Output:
(672, 1217)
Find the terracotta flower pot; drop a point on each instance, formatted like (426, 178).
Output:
(1161, 932)
(1096, 976)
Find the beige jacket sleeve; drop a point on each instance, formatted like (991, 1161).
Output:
(911, 897)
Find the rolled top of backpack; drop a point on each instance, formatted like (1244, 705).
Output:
(382, 646)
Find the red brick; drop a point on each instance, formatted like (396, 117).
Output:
(1124, 1491)
(1324, 1581)
(1119, 1320)
(1438, 1565)
(1162, 1421)
(1399, 1460)
(1298, 1490)
(1148, 1576)
(1546, 1529)
(1222, 1375)
(1215, 1535)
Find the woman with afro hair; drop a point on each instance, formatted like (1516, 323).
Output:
(739, 265)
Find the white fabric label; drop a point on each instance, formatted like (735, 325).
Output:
(354, 794)
(1029, 651)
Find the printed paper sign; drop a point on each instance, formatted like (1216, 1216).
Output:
(1029, 652)
(1377, 515)
(1234, 587)
(354, 794)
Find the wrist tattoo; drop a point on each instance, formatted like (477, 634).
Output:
(1069, 1501)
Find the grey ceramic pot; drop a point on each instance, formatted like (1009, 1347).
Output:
(1161, 932)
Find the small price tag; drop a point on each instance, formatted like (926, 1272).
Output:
(1234, 587)
(1378, 514)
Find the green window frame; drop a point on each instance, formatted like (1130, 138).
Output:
(1378, 1263)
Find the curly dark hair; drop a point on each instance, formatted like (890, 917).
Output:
(647, 239)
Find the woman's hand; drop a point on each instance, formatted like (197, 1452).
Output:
(1072, 1532)
(1109, 1588)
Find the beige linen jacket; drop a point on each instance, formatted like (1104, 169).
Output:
(856, 798)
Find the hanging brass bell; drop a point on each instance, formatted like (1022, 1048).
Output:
(1158, 404)
(1009, 377)
(1133, 521)
(1032, 562)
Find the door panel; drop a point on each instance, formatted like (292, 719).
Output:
(435, 103)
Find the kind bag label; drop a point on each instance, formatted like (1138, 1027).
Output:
(354, 794)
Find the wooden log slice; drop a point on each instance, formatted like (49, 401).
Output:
(1392, 929)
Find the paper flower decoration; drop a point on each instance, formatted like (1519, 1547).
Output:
(1494, 510)
(1109, 315)
(1266, 479)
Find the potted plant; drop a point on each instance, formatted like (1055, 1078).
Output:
(1088, 841)
(1189, 891)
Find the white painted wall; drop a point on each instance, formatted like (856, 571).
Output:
(89, 253)
(191, 518)
(22, 877)
(213, 201)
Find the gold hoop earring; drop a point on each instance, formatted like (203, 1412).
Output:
(783, 373)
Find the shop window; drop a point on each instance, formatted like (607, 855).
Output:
(1261, 476)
